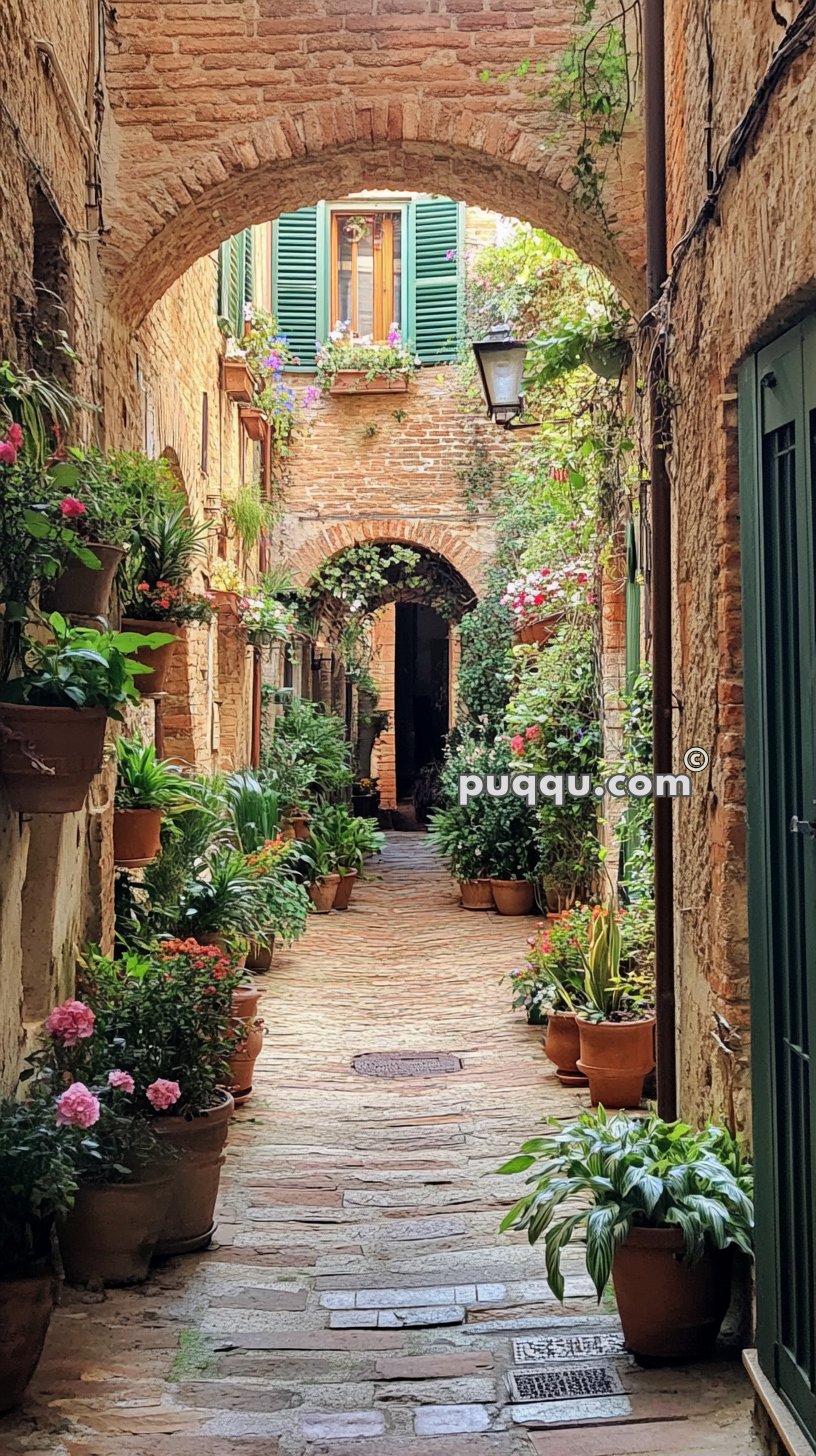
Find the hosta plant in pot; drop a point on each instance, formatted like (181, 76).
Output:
(38, 1183)
(167, 1012)
(52, 716)
(616, 1025)
(146, 788)
(661, 1208)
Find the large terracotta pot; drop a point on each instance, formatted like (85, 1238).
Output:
(540, 632)
(136, 836)
(476, 894)
(85, 591)
(259, 955)
(295, 826)
(26, 1306)
(244, 1005)
(670, 1311)
(156, 658)
(616, 1056)
(562, 1046)
(322, 893)
(513, 897)
(343, 892)
(112, 1229)
(243, 1059)
(199, 1144)
(67, 742)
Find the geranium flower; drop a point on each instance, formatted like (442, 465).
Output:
(14, 435)
(72, 508)
(517, 743)
(533, 732)
(8, 453)
(122, 1081)
(162, 1093)
(77, 1107)
(71, 1022)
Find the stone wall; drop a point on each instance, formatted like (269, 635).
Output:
(747, 277)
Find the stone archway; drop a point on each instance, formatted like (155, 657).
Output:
(437, 539)
(224, 121)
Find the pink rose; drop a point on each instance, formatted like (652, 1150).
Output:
(8, 453)
(77, 1107)
(71, 1022)
(122, 1081)
(517, 743)
(162, 1093)
(71, 507)
(532, 733)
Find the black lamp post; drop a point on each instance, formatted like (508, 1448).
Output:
(501, 366)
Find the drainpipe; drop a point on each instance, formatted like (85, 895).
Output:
(661, 577)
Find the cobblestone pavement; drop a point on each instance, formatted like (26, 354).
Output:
(358, 1300)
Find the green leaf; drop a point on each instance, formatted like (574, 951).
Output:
(519, 1164)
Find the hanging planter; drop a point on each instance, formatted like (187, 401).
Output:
(356, 381)
(237, 379)
(158, 659)
(608, 357)
(85, 591)
(539, 633)
(253, 421)
(48, 756)
(226, 606)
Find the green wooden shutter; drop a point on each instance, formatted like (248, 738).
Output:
(231, 274)
(435, 306)
(298, 287)
(248, 260)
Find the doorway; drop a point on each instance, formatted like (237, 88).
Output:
(421, 692)
(777, 476)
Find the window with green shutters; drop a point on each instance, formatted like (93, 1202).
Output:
(432, 292)
(235, 279)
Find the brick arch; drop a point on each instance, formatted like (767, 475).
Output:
(439, 539)
(198, 183)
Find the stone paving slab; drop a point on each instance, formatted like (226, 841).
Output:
(370, 1204)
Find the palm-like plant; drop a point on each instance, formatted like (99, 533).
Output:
(254, 809)
(224, 898)
(631, 1173)
(144, 781)
(165, 546)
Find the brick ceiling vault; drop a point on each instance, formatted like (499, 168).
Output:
(227, 112)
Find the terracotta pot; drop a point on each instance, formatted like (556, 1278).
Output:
(156, 658)
(244, 1006)
(476, 894)
(344, 890)
(199, 1143)
(85, 591)
(616, 1056)
(242, 1062)
(540, 632)
(670, 1311)
(259, 956)
(355, 381)
(26, 1306)
(112, 1230)
(558, 902)
(513, 897)
(237, 380)
(322, 893)
(295, 826)
(136, 836)
(216, 938)
(253, 421)
(563, 1047)
(68, 742)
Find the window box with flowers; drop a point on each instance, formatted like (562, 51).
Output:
(348, 365)
(540, 601)
(237, 378)
(226, 590)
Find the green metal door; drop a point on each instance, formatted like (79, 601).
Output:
(777, 471)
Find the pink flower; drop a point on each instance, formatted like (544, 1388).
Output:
(122, 1081)
(311, 395)
(517, 743)
(71, 507)
(71, 1022)
(532, 732)
(14, 435)
(77, 1107)
(8, 453)
(162, 1093)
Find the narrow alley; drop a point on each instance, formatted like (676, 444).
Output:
(358, 1297)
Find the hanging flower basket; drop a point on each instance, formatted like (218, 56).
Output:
(356, 381)
(540, 632)
(237, 379)
(253, 421)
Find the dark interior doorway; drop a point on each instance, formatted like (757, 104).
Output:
(421, 681)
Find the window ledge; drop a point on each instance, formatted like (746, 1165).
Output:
(787, 1428)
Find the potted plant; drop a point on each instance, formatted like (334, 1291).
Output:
(164, 548)
(225, 590)
(348, 365)
(365, 797)
(146, 787)
(615, 1026)
(350, 841)
(539, 602)
(457, 833)
(286, 902)
(88, 496)
(52, 717)
(511, 853)
(38, 1184)
(237, 379)
(555, 968)
(223, 903)
(662, 1207)
(317, 860)
(167, 1009)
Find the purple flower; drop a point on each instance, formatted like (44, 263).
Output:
(450, 255)
(273, 361)
(311, 395)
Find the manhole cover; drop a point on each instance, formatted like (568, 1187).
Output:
(536, 1348)
(564, 1382)
(405, 1064)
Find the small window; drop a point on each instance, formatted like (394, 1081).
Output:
(366, 281)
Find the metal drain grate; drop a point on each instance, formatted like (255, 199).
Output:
(406, 1064)
(564, 1382)
(535, 1348)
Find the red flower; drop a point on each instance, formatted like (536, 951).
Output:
(532, 732)
(71, 508)
(14, 435)
(517, 743)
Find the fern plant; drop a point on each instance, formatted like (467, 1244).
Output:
(626, 1173)
(250, 515)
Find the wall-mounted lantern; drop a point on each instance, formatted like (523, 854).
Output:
(501, 360)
